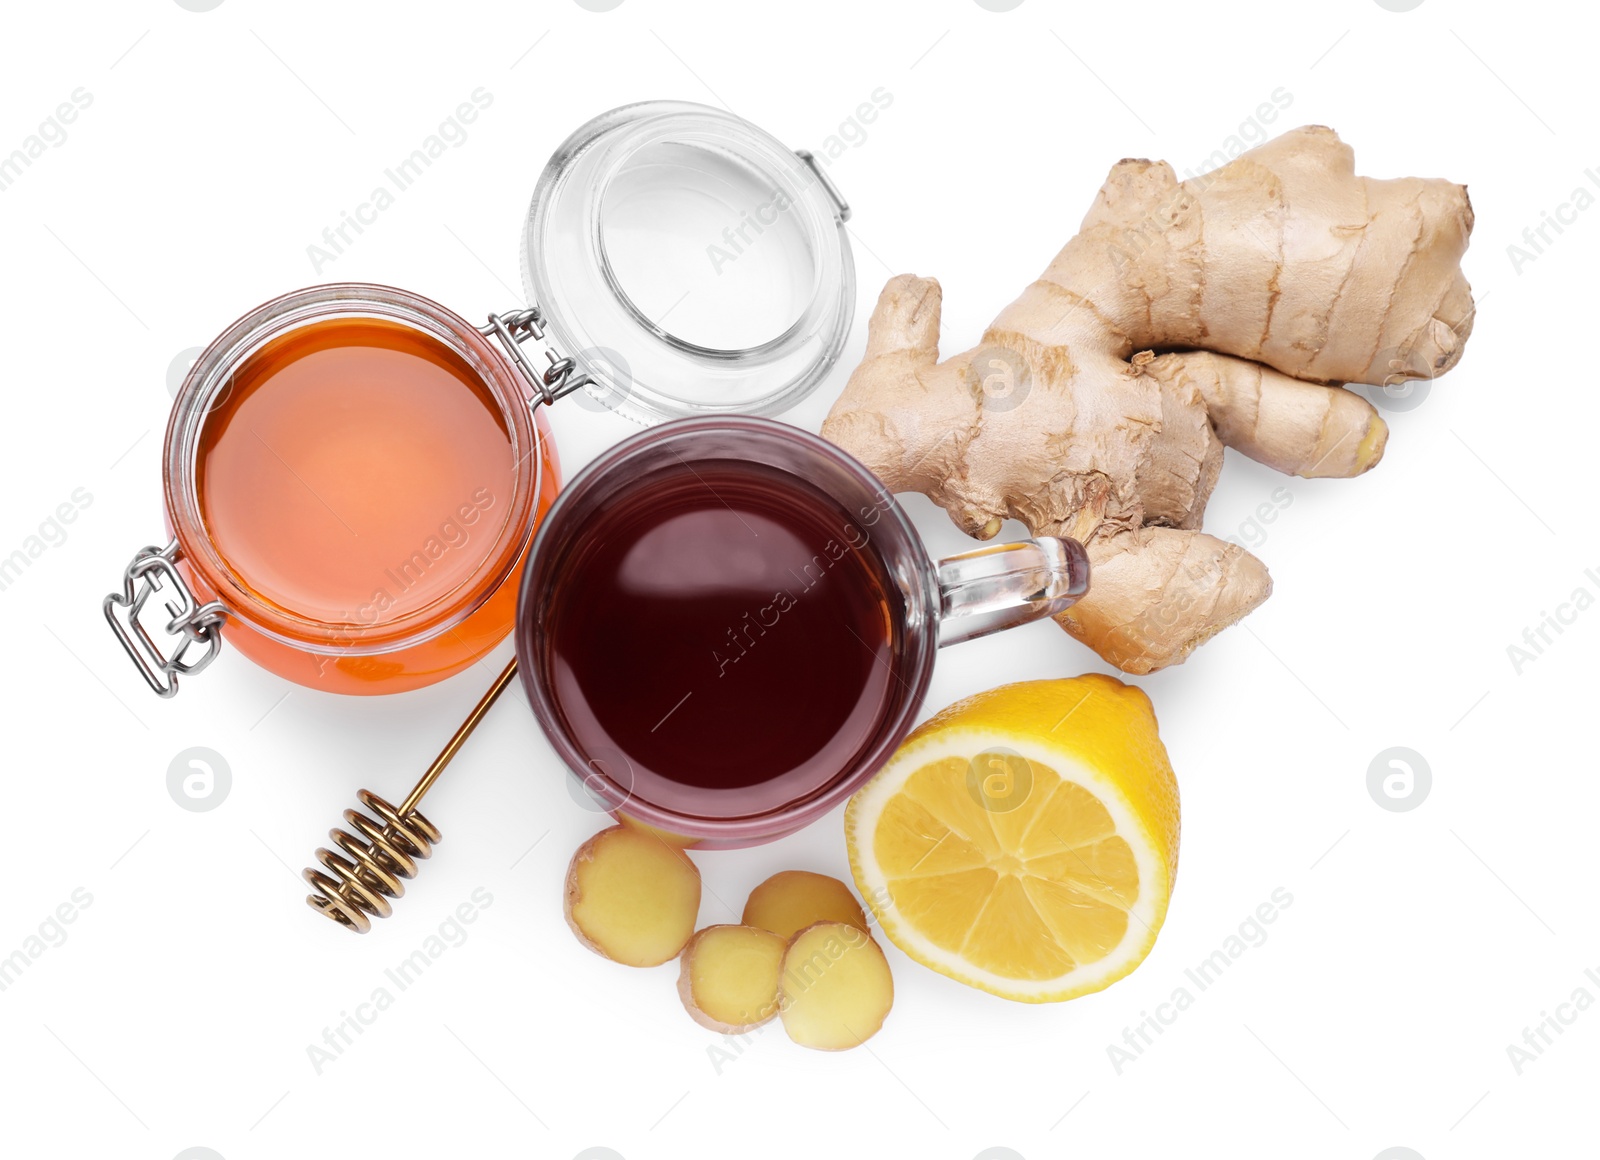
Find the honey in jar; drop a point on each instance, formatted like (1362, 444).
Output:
(364, 488)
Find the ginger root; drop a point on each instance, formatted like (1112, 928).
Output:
(792, 900)
(631, 897)
(729, 977)
(835, 990)
(1267, 284)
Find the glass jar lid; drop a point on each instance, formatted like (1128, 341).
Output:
(689, 263)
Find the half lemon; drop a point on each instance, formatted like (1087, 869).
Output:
(1025, 840)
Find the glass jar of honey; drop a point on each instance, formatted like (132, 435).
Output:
(353, 474)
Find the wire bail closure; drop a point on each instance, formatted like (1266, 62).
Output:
(155, 570)
(560, 379)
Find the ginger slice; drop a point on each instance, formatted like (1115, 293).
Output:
(792, 900)
(835, 989)
(729, 977)
(631, 897)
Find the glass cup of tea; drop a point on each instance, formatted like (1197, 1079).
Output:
(728, 625)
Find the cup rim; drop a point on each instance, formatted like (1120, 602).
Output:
(768, 825)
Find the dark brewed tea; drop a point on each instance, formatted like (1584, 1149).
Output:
(726, 630)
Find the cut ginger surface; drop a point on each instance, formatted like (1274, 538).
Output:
(835, 988)
(729, 977)
(632, 897)
(792, 900)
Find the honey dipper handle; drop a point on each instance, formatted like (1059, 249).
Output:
(453, 746)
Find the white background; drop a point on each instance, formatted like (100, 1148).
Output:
(178, 1011)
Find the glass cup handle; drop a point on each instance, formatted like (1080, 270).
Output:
(1009, 584)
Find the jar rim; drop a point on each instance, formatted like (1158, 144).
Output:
(204, 389)
(639, 365)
